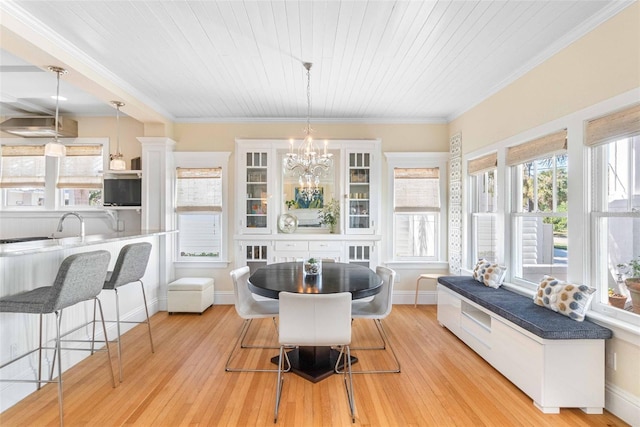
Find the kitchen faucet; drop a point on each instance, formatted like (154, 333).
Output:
(76, 215)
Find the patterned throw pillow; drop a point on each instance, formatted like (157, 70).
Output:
(489, 274)
(564, 298)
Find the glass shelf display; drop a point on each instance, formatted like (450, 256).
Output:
(256, 183)
(359, 213)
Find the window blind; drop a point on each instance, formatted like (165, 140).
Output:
(416, 189)
(23, 166)
(483, 164)
(199, 189)
(554, 143)
(612, 127)
(80, 167)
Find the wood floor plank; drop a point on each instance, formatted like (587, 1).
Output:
(443, 382)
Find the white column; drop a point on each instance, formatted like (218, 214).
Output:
(158, 210)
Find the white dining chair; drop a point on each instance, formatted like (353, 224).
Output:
(248, 308)
(378, 309)
(315, 320)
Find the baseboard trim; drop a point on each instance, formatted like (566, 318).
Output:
(622, 404)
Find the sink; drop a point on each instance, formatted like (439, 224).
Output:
(23, 239)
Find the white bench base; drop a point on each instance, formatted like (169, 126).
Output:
(565, 373)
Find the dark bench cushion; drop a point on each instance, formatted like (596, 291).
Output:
(521, 311)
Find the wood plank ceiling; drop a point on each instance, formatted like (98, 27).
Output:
(373, 60)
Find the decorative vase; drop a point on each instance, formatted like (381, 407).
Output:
(312, 267)
(633, 285)
(332, 228)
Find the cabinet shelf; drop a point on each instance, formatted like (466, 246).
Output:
(136, 172)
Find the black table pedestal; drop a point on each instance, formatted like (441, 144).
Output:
(314, 363)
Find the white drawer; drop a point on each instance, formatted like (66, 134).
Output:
(292, 245)
(324, 246)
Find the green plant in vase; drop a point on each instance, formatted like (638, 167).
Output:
(329, 214)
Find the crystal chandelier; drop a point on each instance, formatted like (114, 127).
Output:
(117, 161)
(306, 162)
(55, 148)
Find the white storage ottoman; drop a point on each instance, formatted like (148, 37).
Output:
(190, 295)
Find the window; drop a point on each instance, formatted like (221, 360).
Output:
(539, 208)
(483, 187)
(29, 179)
(199, 209)
(79, 179)
(614, 141)
(23, 175)
(419, 200)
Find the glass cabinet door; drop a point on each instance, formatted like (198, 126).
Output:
(256, 256)
(359, 191)
(256, 187)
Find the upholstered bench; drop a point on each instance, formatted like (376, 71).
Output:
(190, 295)
(557, 361)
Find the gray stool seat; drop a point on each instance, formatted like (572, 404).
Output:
(32, 302)
(80, 278)
(129, 268)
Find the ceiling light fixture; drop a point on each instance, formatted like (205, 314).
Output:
(55, 148)
(306, 162)
(117, 162)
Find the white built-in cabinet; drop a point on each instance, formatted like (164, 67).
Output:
(264, 190)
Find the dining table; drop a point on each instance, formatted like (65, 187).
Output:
(314, 363)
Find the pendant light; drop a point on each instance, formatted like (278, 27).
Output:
(117, 162)
(55, 148)
(308, 163)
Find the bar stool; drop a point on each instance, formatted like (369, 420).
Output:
(129, 268)
(433, 276)
(80, 278)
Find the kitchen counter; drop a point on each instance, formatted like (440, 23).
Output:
(48, 245)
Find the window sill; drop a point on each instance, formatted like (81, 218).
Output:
(624, 330)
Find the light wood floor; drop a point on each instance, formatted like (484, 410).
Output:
(443, 382)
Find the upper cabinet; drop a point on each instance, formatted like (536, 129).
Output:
(362, 184)
(254, 171)
(276, 201)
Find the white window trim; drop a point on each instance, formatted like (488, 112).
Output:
(205, 159)
(418, 160)
(473, 211)
(595, 214)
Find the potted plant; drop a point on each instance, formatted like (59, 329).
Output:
(616, 300)
(291, 204)
(632, 271)
(329, 214)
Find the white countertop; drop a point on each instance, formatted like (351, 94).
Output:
(37, 246)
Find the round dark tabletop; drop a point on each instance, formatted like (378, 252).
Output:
(336, 277)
